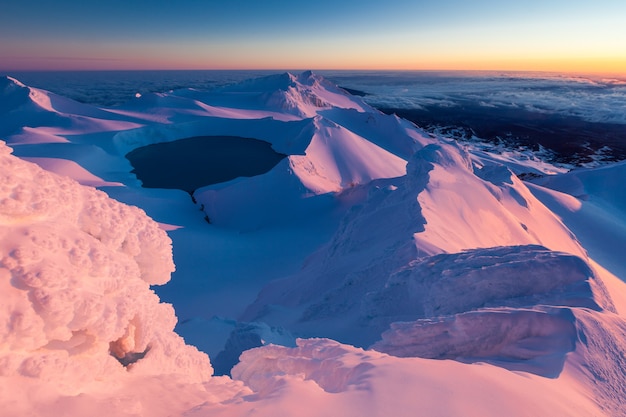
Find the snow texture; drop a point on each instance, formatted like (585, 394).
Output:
(76, 272)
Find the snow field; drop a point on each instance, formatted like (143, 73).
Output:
(441, 253)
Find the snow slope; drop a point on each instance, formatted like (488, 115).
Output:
(592, 203)
(376, 270)
(443, 205)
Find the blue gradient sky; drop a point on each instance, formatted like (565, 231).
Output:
(555, 35)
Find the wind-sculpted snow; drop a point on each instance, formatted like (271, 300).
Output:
(602, 185)
(600, 358)
(517, 339)
(320, 361)
(511, 276)
(31, 115)
(440, 206)
(76, 269)
(470, 205)
(592, 203)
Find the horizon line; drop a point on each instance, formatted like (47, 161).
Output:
(304, 69)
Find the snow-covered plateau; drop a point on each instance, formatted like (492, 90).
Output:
(375, 270)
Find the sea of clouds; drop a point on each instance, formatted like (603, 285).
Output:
(592, 98)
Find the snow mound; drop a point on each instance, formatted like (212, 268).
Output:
(19, 98)
(247, 336)
(76, 271)
(516, 339)
(71, 169)
(513, 276)
(462, 203)
(337, 159)
(512, 307)
(312, 359)
(34, 116)
(592, 203)
(302, 95)
(359, 308)
(602, 185)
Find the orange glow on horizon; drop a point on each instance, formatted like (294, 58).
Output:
(390, 61)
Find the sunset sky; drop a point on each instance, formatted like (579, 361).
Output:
(553, 35)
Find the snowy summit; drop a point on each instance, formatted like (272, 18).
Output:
(367, 268)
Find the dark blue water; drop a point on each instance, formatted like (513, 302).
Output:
(188, 164)
(574, 115)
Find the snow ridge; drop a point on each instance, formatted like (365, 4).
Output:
(440, 206)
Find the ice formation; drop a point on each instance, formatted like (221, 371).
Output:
(76, 271)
